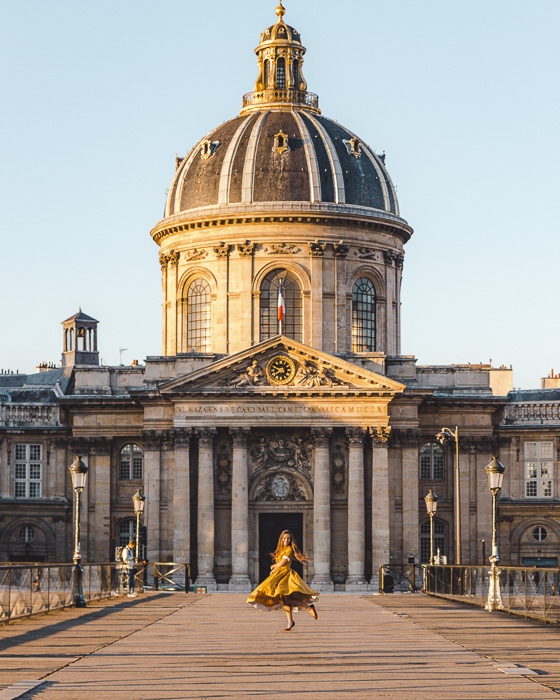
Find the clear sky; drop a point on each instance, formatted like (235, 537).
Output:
(99, 97)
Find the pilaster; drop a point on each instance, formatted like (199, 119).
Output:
(356, 511)
(240, 512)
(181, 496)
(380, 501)
(205, 519)
(152, 483)
(322, 511)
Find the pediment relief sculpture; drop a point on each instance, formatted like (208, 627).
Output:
(282, 370)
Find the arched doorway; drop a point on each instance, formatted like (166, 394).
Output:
(270, 527)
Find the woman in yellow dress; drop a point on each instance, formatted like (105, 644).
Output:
(284, 588)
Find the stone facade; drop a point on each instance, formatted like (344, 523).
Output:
(246, 425)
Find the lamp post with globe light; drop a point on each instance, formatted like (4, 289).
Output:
(431, 507)
(495, 473)
(139, 501)
(78, 472)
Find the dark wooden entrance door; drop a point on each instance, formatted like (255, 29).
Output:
(270, 527)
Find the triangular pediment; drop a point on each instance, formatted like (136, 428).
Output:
(282, 365)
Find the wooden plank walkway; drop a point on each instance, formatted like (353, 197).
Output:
(170, 645)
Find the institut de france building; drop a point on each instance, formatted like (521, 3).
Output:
(246, 425)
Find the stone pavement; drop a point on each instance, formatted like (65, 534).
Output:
(173, 645)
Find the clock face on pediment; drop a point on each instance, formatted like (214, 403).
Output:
(284, 365)
(280, 370)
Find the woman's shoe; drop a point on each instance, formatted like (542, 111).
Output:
(287, 629)
(313, 612)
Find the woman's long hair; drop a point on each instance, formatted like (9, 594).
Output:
(300, 556)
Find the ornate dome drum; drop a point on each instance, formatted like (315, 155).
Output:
(281, 195)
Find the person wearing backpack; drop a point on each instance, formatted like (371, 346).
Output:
(128, 560)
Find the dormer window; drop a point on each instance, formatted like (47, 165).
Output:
(353, 146)
(208, 149)
(281, 143)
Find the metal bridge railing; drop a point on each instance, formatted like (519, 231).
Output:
(172, 575)
(529, 592)
(34, 589)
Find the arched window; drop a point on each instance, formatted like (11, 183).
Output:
(291, 291)
(126, 532)
(431, 461)
(363, 316)
(439, 540)
(281, 73)
(198, 316)
(131, 463)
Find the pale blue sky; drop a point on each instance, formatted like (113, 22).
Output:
(98, 97)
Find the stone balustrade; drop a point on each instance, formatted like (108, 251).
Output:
(28, 415)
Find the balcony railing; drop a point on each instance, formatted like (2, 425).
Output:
(533, 412)
(19, 415)
(289, 96)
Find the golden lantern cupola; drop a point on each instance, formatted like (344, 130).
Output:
(280, 83)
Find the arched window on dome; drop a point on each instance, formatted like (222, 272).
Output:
(198, 316)
(281, 73)
(363, 316)
(291, 291)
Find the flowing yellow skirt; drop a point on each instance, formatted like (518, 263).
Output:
(282, 587)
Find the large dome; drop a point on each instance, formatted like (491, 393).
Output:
(279, 155)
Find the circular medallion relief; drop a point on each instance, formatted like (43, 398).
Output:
(280, 487)
(281, 370)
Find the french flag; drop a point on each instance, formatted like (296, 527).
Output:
(281, 305)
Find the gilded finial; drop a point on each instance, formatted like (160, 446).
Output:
(280, 11)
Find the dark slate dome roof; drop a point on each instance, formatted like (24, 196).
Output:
(245, 161)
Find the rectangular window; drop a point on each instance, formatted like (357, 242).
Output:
(539, 469)
(28, 466)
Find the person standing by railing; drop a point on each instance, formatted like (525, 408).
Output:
(128, 559)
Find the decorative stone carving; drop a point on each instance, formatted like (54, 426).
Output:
(221, 250)
(281, 144)
(316, 248)
(240, 437)
(340, 249)
(245, 248)
(281, 249)
(152, 439)
(276, 450)
(353, 146)
(389, 256)
(399, 261)
(355, 436)
(223, 471)
(380, 435)
(367, 254)
(163, 261)
(79, 446)
(312, 375)
(482, 444)
(280, 487)
(100, 446)
(338, 468)
(182, 437)
(409, 437)
(206, 436)
(321, 436)
(195, 254)
(173, 258)
(252, 375)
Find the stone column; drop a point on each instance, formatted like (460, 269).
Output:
(240, 513)
(152, 483)
(181, 496)
(322, 511)
(206, 508)
(356, 511)
(380, 510)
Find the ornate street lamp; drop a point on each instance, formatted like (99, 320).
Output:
(431, 507)
(78, 472)
(495, 473)
(139, 501)
(445, 435)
